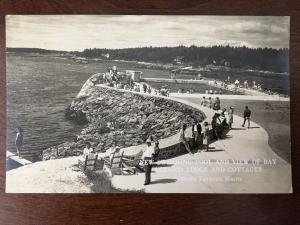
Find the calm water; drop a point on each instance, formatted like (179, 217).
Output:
(38, 91)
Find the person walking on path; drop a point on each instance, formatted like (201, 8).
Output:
(147, 158)
(19, 140)
(230, 117)
(206, 136)
(183, 140)
(247, 114)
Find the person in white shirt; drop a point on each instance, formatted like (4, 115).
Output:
(237, 83)
(147, 158)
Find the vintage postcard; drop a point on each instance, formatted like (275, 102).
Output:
(148, 104)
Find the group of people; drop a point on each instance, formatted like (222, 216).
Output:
(221, 123)
(213, 92)
(113, 78)
(199, 137)
(215, 105)
(236, 84)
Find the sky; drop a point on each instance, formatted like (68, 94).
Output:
(78, 32)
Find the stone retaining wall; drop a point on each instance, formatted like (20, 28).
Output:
(128, 118)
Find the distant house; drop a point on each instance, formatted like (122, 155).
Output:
(135, 75)
(179, 59)
(225, 63)
(105, 55)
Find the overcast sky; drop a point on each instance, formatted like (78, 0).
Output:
(91, 31)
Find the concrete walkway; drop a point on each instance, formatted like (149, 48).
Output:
(225, 96)
(241, 163)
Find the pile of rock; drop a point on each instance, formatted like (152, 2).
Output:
(124, 117)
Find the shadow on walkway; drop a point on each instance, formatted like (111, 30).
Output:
(216, 150)
(238, 128)
(253, 127)
(162, 165)
(163, 181)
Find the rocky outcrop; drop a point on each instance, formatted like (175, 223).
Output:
(127, 118)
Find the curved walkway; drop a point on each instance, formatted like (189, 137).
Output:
(241, 163)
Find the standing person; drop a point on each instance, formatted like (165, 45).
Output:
(206, 136)
(147, 158)
(246, 84)
(19, 140)
(210, 103)
(228, 79)
(247, 114)
(216, 126)
(230, 117)
(196, 129)
(203, 101)
(183, 140)
(237, 83)
(217, 104)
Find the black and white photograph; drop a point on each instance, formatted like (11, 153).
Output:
(148, 104)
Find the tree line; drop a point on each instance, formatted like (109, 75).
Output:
(267, 59)
(275, 60)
